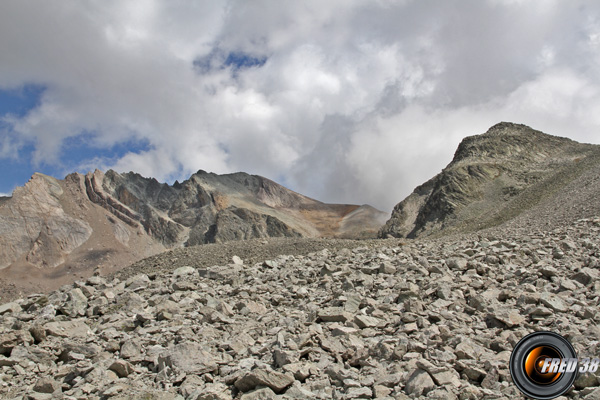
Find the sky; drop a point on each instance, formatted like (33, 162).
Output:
(345, 101)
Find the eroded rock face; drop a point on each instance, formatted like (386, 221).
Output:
(493, 178)
(34, 224)
(332, 324)
(84, 222)
(210, 208)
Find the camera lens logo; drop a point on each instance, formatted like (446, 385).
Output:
(543, 365)
(537, 365)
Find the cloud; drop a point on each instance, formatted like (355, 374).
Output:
(345, 101)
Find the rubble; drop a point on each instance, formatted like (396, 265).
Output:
(401, 320)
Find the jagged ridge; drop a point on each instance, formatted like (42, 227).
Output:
(109, 220)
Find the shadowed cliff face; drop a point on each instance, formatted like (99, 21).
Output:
(493, 178)
(109, 220)
(211, 208)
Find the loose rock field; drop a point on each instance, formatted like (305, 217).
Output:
(388, 320)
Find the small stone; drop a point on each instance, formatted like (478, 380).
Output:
(47, 385)
(263, 377)
(548, 271)
(96, 281)
(594, 395)
(491, 379)
(270, 264)
(282, 357)
(457, 264)
(387, 268)
(370, 269)
(237, 261)
(540, 311)
(364, 321)
(441, 394)
(184, 285)
(447, 378)
(334, 314)
(76, 304)
(586, 380)
(380, 391)
(260, 394)
(342, 330)
(184, 271)
(300, 370)
(70, 329)
(474, 373)
(465, 350)
(389, 380)
(554, 302)
(213, 391)
(510, 318)
(109, 294)
(585, 276)
(10, 308)
(470, 392)
(11, 339)
(188, 358)
(7, 362)
(419, 383)
(38, 333)
(410, 327)
(115, 389)
(130, 349)
(352, 303)
(444, 292)
(567, 284)
(359, 393)
(138, 282)
(122, 368)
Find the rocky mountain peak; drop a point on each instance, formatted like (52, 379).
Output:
(493, 177)
(508, 128)
(508, 141)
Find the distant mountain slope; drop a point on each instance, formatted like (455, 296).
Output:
(510, 171)
(109, 220)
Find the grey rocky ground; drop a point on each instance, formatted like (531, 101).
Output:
(376, 319)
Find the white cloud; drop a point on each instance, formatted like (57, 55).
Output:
(357, 101)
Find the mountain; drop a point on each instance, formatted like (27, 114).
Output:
(55, 229)
(512, 173)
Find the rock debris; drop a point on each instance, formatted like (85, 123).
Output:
(413, 319)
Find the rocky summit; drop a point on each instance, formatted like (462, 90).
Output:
(52, 231)
(430, 319)
(509, 172)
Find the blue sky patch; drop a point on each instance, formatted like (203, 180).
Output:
(15, 172)
(237, 60)
(18, 102)
(79, 150)
(17, 169)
